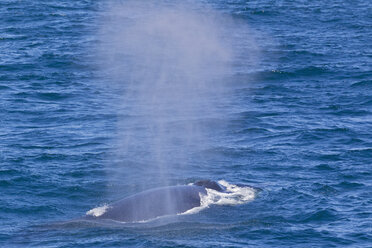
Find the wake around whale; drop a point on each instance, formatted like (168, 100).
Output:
(173, 200)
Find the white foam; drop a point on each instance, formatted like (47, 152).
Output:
(233, 195)
(96, 212)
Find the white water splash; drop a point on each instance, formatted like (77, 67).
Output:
(96, 212)
(233, 195)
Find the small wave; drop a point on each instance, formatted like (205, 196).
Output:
(323, 215)
(4, 87)
(362, 84)
(53, 96)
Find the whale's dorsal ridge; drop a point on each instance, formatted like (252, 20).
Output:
(210, 185)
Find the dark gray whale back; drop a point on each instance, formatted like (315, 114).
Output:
(154, 203)
(210, 185)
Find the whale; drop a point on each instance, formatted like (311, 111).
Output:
(154, 203)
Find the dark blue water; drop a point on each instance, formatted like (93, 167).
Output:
(297, 124)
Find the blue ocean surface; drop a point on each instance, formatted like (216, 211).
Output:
(100, 100)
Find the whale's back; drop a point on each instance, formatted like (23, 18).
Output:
(154, 203)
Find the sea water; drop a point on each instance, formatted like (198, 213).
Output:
(291, 116)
